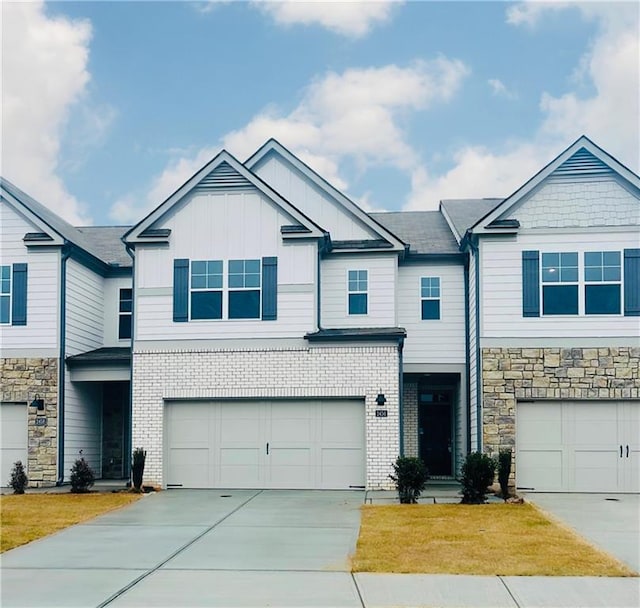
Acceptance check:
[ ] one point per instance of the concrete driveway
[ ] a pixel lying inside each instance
(609, 521)
(197, 548)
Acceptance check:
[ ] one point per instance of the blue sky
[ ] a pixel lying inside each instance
(110, 106)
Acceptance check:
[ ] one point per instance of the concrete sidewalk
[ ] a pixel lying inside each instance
(246, 548)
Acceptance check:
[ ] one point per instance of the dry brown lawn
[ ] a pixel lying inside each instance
(493, 539)
(26, 517)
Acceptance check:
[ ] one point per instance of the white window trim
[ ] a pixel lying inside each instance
(431, 298)
(365, 292)
(10, 294)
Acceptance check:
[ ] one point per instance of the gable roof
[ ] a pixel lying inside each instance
(581, 158)
(426, 232)
(100, 243)
(223, 171)
(273, 146)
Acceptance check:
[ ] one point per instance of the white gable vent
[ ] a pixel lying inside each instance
(582, 164)
(224, 176)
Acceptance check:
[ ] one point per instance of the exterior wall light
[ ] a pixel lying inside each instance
(381, 399)
(38, 403)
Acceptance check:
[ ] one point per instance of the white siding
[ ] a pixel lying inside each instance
(43, 280)
(243, 225)
(83, 425)
(473, 358)
(112, 287)
(502, 288)
(312, 201)
(382, 277)
(579, 203)
(85, 309)
(432, 341)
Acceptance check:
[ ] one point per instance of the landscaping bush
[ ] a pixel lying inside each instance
(410, 477)
(19, 479)
(82, 477)
(504, 471)
(478, 472)
(137, 468)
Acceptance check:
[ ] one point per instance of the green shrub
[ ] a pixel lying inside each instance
(478, 472)
(82, 477)
(410, 477)
(19, 479)
(137, 467)
(504, 471)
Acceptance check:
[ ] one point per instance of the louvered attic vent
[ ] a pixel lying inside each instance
(223, 176)
(582, 163)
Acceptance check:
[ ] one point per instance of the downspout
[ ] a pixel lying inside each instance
(400, 395)
(127, 459)
(61, 365)
(476, 249)
(467, 344)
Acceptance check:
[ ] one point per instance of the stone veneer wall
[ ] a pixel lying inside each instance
(22, 380)
(317, 372)
(410, 418)
(509, 374)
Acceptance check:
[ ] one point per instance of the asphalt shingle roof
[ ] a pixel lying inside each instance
(423, 231)
(105, 241)
(465, 212)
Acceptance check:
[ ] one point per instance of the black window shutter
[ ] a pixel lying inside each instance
(181, 290)
(530, 283)
(269, 289)
(19, 296)
(632, 282)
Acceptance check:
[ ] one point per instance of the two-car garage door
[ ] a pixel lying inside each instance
(265, 444)
(578, 446)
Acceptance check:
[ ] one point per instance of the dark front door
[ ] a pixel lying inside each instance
(435, 426)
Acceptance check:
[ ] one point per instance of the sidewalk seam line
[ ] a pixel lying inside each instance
(515, 601)
(355, 582)
(134, 582)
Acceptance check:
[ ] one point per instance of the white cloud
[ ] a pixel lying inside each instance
(499, 89)
(352, 19)
(610, 116)
(44, 74)
(356, 114)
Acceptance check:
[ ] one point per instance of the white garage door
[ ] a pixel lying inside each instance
(265, 444)
(13, 438)
(578, 446)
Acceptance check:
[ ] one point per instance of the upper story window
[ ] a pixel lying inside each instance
(124, 314)
(358, 292)
(5, 294)
(13, 294)
(206, 289)
(244, 289)
(430, 297)
(603, 281)
(589, 283)
(560, 283)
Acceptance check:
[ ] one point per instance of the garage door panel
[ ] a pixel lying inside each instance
(590, 435)
(13, 438)
(189, 467)
(540, 468)
(298, 434)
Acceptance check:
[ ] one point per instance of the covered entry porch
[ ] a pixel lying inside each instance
(435, 421)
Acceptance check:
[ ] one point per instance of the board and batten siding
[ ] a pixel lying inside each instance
(382, 279)
(438, 340)
(83, 425)
(312, 200)
(502, 287)
(473, 354)
(43, 283)
(226, 226)
(85, 309)
(112, 287)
